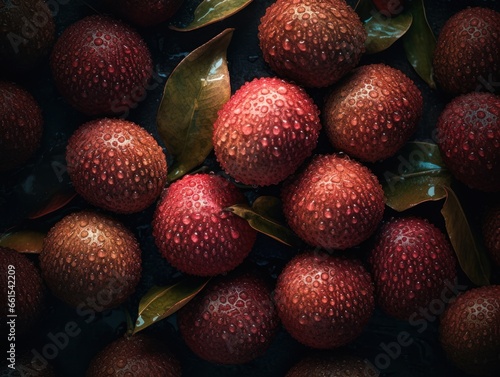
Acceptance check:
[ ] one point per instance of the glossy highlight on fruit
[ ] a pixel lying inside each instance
(313, 42)
(334, 203)
(116, 165)
(194, 232)
(265, 131)
(90, 260)
(467, 53)
(469, 331)
(324, 301)
(373, 112)
(138, 355)
(232, 321)
(468, 138)
(21, 125)
(412, 264)
(101, 66)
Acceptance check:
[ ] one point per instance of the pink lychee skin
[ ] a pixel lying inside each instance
(265, 131)
(412, 264)
(101, 66)
(232, 321)
(116, 165)
(195, 233)
(468, 136)
(324, 301)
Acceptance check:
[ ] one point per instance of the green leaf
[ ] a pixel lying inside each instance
(26, 241)
(265, 225)
(471, 256)
(416, 175)
(211, 11)
(270, 207)
(419, 43)
(193, 94)
(384, 31)
(160, 302)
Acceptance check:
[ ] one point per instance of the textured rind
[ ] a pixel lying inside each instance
(116, 165)
(324, 301)
(28, 288)
(491, 232)
(192, 230)
(469, 331)
(27, 32)
(313, 42)
(91, 260)
(101, 66)
(139, 356)
(467, 53)
(332, 365)
(232, 321)
(146, 12)
(468, 132)
(334, 203)
(21, 125)
(372, 112)
(265, 131)
(412, 264)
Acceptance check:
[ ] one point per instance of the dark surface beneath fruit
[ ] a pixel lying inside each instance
(70, 353)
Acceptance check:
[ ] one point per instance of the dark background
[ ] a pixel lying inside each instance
(29, 188)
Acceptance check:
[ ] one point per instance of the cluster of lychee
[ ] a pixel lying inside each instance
(266, 135)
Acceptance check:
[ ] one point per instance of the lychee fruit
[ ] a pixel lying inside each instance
(324, 301)
(467, 53)
(21, 125)
(138, 355)
(389, 8)
(413, 263)
(334, 203)
(312, 42)
(491, 232)
(468, 136)
(232, 321)
(265, 131)
(373, 112)
(194, 232)
(145, 12)
(101, 66)
(116, 165)
(22, 292)
(90, 260)
(469, 331)
(27, 32)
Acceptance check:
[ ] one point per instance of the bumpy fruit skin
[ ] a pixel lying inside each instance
(334, 203)
(324, 301)
(313, 42)
(491, 232)
(265, 131)
(139, 356)
(21, 125)
(332, 365)
(116, 165)
(146, 12)
(192, 230)
(412, 264)
(232, 321)
(469, 331)
(373, 112)
(91, 260)
(468, 138)
(27, 33)
(467, 54)
(25, 281)
(101, 66)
